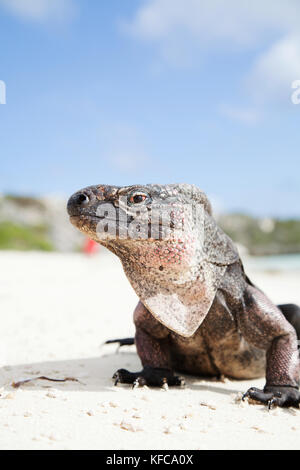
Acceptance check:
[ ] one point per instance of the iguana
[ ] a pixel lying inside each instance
(198, 311)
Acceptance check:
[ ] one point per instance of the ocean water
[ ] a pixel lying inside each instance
(274, 263)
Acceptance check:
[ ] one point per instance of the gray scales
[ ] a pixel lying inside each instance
(198, 311)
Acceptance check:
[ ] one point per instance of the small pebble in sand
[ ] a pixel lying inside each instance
(10, 396)
(90, 413)
(112, 404)
(51, 395)
(207, 405)
(237, 398)
(172, 430)
(182, 427)
(53, 437)
(256, 428)
(104, 404)
(127, 426)
(27, 414)
(136, 416)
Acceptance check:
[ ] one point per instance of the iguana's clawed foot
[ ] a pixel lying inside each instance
(148, 376)
(275, 396)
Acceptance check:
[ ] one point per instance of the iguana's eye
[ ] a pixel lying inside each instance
(137, 198)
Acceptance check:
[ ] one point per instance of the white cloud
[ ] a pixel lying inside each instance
(40, 10)
(275, 70)
(237, 22)
(189, 30)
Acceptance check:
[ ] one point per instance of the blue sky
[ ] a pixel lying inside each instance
(127, 91)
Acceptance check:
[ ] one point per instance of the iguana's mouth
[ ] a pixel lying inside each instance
(92, 225)
(93, 217)
(87, 216)
(85, 222)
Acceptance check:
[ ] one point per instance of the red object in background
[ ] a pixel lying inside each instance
(90, 247)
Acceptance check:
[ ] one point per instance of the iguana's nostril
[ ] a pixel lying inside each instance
(82, 199)
(77, 202)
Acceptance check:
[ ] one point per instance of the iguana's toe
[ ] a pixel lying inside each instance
(275, 396)
(154, 377)
(123, 376)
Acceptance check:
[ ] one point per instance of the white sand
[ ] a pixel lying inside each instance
(56, 310)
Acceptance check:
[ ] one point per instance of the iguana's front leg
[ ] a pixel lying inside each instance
(152, 343)
(263, 325)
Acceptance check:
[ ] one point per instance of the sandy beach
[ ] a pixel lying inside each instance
(56, 312)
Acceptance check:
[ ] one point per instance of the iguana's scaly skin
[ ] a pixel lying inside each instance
(242, 335)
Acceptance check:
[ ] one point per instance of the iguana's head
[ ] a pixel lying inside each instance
(171, 249)
(152, 224)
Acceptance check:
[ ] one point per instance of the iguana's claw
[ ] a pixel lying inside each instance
(148, 376)
(139, 382)
(275, 395)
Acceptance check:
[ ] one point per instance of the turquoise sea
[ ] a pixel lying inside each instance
(275, 263)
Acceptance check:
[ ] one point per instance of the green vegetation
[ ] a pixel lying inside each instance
(24, 201)
(14, 236)
(263, 237)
